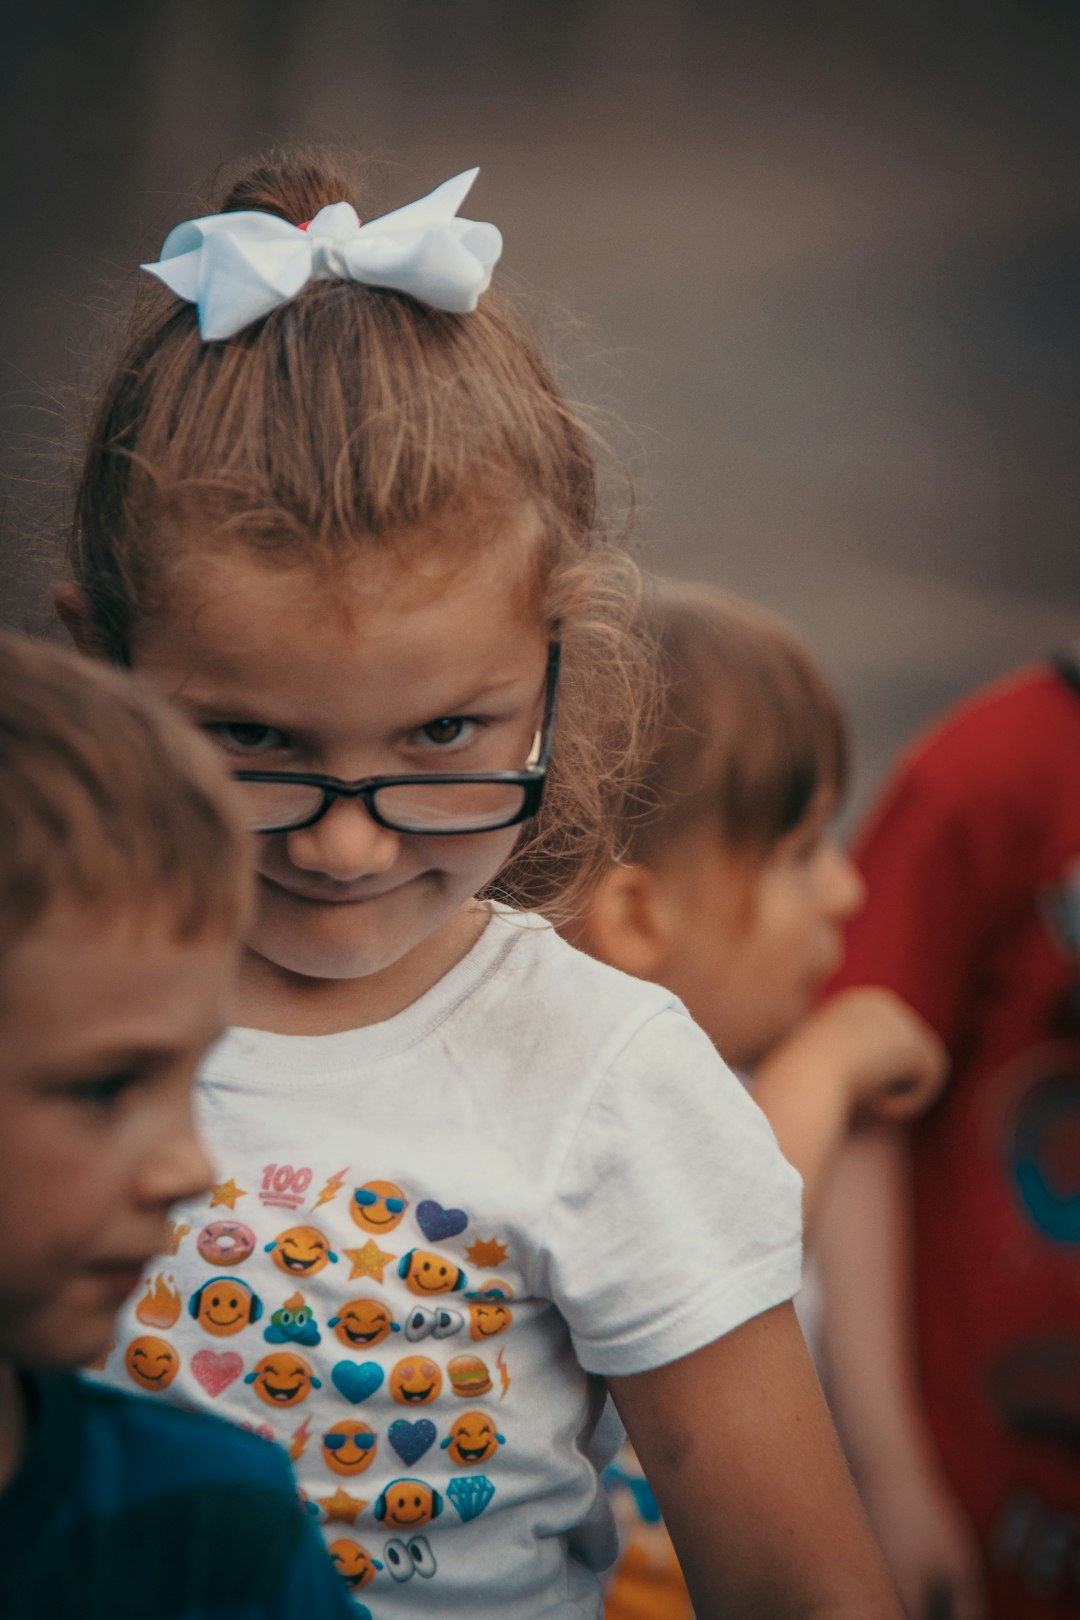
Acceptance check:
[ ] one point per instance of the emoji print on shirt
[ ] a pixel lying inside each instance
(293, 1323)
(378, 1206)
(427, 1274)
(349, 1447)
(473, 1439)
(283, 1379)
(364, 1322)
(224, 1305)
(301, 1251)
(151, 1362)
(406, 1504)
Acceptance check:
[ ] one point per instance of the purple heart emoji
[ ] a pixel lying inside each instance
(411, 1440)
(437, 1223)
(356, 1380)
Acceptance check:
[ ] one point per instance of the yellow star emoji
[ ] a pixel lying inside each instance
(226, 1192)
(368, 1261)
(341, 1508)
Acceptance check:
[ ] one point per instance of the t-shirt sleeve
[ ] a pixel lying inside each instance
(675, 1218)
(927, 889)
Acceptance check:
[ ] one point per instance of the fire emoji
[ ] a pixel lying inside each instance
(160, 1305)
(175, 1233)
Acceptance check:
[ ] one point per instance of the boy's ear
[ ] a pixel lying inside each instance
(630, 921)
(73, 611)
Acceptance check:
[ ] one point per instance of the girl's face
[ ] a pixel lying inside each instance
(755, 942)
(394, 666)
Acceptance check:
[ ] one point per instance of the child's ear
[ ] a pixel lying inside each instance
(73, 610)
(630, 921)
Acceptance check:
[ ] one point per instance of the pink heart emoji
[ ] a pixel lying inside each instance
(216, 1370)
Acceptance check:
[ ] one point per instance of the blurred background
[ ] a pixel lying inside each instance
(821, 260)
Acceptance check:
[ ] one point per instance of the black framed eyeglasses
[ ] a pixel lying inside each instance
(435, 804)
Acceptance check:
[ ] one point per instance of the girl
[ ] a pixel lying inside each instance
(468, 1180)
(734, 895)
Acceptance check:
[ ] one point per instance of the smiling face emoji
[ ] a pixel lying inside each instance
(225, 1306)
(408, 1503)
(378, 1206)
(354, 1563)
(301, 1251)
(151, 1362)
(488, 1317)
(283, 1379)
(363, 1322)
(473, 1439)
(415, 1381)
(349, 1447)
(426, 1274)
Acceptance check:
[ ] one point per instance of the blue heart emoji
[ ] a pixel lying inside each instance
(356, 1380)
(411, 1440)
(437, 1223)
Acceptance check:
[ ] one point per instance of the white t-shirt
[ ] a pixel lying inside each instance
(559, 1179)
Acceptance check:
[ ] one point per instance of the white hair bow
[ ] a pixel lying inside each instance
(238, 267)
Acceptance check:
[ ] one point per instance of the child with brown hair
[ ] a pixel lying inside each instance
(123, 891)
(336, 507)
(733, 895)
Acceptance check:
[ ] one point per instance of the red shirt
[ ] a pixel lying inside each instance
(972, 861)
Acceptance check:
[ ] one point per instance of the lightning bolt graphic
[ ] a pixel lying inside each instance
(503, 1374)
(332, 1188)
(300, 1440)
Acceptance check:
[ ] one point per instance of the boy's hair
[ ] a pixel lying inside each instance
(107, 797)
(345, 416)
(749, 733)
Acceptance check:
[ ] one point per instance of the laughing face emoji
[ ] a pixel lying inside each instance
(301, 1251)
(283, 1379)
(473, 1439)
(415, 1381)
(363, 1322)
(151, 1362)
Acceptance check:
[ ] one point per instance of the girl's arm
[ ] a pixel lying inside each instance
(865, 1051)
(736, 1442)
(869, 1352)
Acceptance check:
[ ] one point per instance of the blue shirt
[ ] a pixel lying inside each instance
(124, 1509)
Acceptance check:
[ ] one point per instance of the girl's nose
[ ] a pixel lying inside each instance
(845, 892)
(345, 844)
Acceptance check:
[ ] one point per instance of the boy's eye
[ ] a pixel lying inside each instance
(246, 736)
(103, 1091)
(451, 729)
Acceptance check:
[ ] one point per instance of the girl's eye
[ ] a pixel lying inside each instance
(453, 729)
(246, 736)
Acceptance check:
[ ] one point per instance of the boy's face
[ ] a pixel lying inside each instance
(756, 941)
(102, 1022)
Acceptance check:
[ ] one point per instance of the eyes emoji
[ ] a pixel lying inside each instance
(407, 1503)
(488, 1317)
(427, 1273)
(378, 1206)
(349, 1447)
(283, 1379)
(224, 1306)
(415, 1381)
(354, 1563)
(473, 1439)
(301, 1251)
(151, 1362)
(363, 1322)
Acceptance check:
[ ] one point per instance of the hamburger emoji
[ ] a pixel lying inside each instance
(468, 1376)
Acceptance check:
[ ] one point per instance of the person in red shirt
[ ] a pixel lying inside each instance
(960, 1401)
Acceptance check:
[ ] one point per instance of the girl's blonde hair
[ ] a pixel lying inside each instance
(344, 418)
(750, 730)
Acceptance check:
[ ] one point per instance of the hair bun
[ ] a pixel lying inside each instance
(291, 183)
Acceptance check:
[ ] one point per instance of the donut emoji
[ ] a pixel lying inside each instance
(225, 1243)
